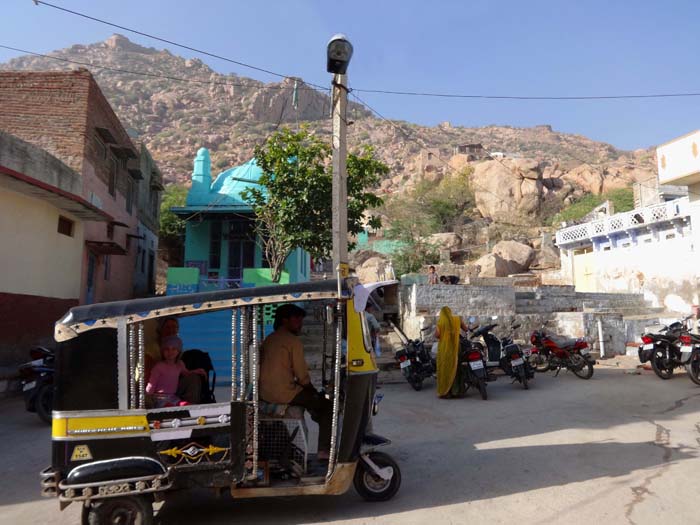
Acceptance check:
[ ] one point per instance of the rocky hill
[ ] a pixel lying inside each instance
(229, 114)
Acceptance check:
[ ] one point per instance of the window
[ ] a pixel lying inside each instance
(101, 149)
(215, 245)
(129, 196)
(108, 260)
(65, 226)
(112, 176)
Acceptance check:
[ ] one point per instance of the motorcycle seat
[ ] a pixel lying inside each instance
(563, 341)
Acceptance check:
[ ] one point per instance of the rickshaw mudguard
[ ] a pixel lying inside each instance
(115, 469)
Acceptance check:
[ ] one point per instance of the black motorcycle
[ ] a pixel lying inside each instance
(415, 360)
(505, 354)
(473, 363)
(663, 349)
(37, 382)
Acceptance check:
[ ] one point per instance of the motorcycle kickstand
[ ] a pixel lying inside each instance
(558, 370)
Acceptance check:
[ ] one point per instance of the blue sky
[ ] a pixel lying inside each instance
(562, 47)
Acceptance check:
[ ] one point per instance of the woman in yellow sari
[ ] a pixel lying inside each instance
(449, 373)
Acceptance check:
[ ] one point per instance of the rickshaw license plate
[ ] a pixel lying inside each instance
(686, 349)
(404, 364)
(476, 365)
(650, 346)
(517, 362)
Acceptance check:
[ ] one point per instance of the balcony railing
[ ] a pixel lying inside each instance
(208, 285)
(638, 218)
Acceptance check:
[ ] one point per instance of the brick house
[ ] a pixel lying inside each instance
(42, 224)
(67, 115)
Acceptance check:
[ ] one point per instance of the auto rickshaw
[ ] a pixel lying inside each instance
(116, 456)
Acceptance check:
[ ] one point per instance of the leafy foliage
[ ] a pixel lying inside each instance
(622, 200)
(171, 226)
(293, 202)
(427, 209)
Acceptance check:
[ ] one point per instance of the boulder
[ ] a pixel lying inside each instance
(373, 269)
(586, 178)
(509, 190)
(520, 256)
(359, 257)
(492, 265)
(446, 241)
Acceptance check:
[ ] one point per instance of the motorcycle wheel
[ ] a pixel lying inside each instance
(581, 367)
(372, 487)
(693, 368)
(44, 403)
(482, 389)
(659, 368)
(539, 362)
(417, 384)
(523, 378)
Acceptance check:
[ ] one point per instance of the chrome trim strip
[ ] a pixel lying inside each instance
(336, 391)
(83, 437)
(67, 331)
(122, 367)
(256, 407)
(141, 367)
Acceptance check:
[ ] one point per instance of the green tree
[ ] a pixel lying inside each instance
(292, 203)
(621, 198)
(171, 226)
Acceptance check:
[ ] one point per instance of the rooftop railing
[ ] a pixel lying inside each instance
(629, 220)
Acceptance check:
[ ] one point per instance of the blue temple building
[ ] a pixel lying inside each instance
(220, 239)
(222, 251)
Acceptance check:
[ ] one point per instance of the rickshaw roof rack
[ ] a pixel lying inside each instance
(106, 315)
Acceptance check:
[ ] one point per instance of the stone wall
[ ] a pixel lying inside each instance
(563, 310)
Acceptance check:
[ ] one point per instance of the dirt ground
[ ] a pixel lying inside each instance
(619, 448)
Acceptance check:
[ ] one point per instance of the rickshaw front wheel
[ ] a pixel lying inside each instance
(371, 486)
(128, 510)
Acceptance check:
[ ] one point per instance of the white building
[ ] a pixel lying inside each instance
(652, 249)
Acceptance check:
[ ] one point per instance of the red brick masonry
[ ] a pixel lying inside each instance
(25, 319)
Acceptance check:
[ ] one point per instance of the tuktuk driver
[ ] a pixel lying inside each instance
(284, 374)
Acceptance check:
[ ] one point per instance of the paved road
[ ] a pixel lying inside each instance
(619, 448)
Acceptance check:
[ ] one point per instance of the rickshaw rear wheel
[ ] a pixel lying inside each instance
(128, 510)
(370, 486)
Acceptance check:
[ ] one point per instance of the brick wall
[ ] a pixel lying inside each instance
(48, 110)
(60, 112)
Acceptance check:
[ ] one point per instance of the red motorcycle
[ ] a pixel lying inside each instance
(556, 352)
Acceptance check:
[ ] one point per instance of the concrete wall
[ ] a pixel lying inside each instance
(145, 248)
(665, 271)
(35, 258)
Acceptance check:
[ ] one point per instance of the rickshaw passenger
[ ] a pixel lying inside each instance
(284, 374)
(170, 383)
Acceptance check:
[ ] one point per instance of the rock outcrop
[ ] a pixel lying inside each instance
(492, 265)
(519, 256)
(232, 114)
(508, 190)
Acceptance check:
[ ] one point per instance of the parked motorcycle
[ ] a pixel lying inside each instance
(556, 352)
(37, 382)
(690, 343)
(505, 354)
(415, 360)
(473, 363)
(663, 349)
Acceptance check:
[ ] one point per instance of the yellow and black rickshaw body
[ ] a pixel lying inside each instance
(107, 443)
